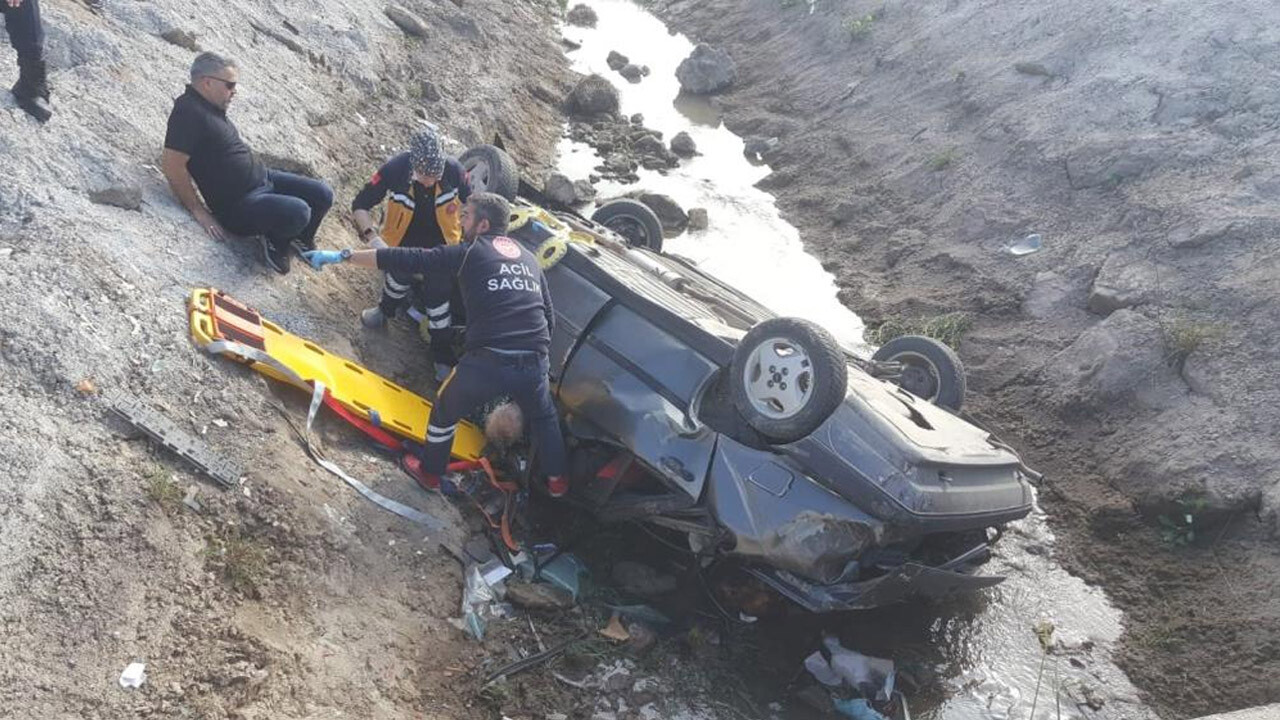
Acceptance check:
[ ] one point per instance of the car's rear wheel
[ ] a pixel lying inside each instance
(930, 369)
(632, 220)
(491, 169)
(788, 376)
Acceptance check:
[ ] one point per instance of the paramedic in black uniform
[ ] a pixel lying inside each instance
(509, 320)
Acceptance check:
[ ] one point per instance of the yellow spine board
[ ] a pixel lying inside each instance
(359, 390)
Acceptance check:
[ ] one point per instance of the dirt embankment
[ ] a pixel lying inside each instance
(1133, 358)
(289, 596)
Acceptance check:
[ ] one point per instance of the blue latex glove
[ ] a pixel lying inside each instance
(320, 258)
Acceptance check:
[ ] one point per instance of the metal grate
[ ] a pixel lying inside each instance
(162, 430)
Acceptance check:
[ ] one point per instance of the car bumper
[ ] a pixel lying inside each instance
(908, 581)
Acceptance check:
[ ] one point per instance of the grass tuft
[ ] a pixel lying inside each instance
(947, 328)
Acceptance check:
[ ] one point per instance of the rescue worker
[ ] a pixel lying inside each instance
(26, 35)
(203, 146)
(509, 321)
(427, 191)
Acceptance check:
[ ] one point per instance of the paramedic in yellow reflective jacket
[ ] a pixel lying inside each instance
(424, 192)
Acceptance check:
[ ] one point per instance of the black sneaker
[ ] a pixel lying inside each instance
(275, 258)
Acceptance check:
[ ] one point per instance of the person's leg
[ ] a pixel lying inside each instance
(26, 35)
(468, 387)
(533, 395)
(277, 218)
(315, 193)
(395, 290)
(26, 32)
(438, 306)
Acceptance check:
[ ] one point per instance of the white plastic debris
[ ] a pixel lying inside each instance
(1027, 245)
(871, 676)
(134, 675)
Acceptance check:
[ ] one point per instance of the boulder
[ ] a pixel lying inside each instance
(683, 145)
(430, 92)
(593, 95)
(581, 15)
(649, 144)
(559, 188)
(181, 38)
(617, 60)
(126, 195)
(408, 22)
(584, 190)
(706, 70)
(673, 217)
(758, 144)
(698, 219)
(631, 72)
(1125, 280)
(1120, 359)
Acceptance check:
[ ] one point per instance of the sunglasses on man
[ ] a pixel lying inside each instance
(230, 84)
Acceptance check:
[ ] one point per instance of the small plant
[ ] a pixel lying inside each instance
(944, 159)
(859, 27)
(163, 491)
(948, 328)
(1183, 336)
(1179, 529)
(239, 560)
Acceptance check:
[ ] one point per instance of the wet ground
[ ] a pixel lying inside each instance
(979, 658)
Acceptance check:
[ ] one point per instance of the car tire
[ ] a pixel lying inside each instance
(931, 370)
(491, 169)
(633, 220)
(788, 376)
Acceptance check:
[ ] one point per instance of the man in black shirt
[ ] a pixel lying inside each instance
(26, 35)
(509, 321)
(202, 144)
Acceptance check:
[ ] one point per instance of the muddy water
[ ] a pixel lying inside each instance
(976, 658)
(746, 232)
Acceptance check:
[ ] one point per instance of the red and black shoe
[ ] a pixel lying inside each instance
(412, 465)
(557, 486)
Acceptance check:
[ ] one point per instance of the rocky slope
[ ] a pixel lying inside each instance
(1133, 357)
(289, 596)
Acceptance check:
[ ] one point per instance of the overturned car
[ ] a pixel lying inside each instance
(842, 482)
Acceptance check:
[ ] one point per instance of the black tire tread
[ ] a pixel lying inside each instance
(504, 176)
(634, 208)
(952, 385)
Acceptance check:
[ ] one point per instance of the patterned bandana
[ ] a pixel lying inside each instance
(425, 155)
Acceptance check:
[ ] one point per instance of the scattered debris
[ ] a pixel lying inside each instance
(86, 387)
(163, 431)
(134, 675)
(614, 630)
(698, 219)
(478, 599)
(190, 499)
(859, 686)
(1026, 246)
(538, 596)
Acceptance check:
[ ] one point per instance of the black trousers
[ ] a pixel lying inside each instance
(481, 376)
(26, 33)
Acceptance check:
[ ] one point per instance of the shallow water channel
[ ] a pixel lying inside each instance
(979, 658)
